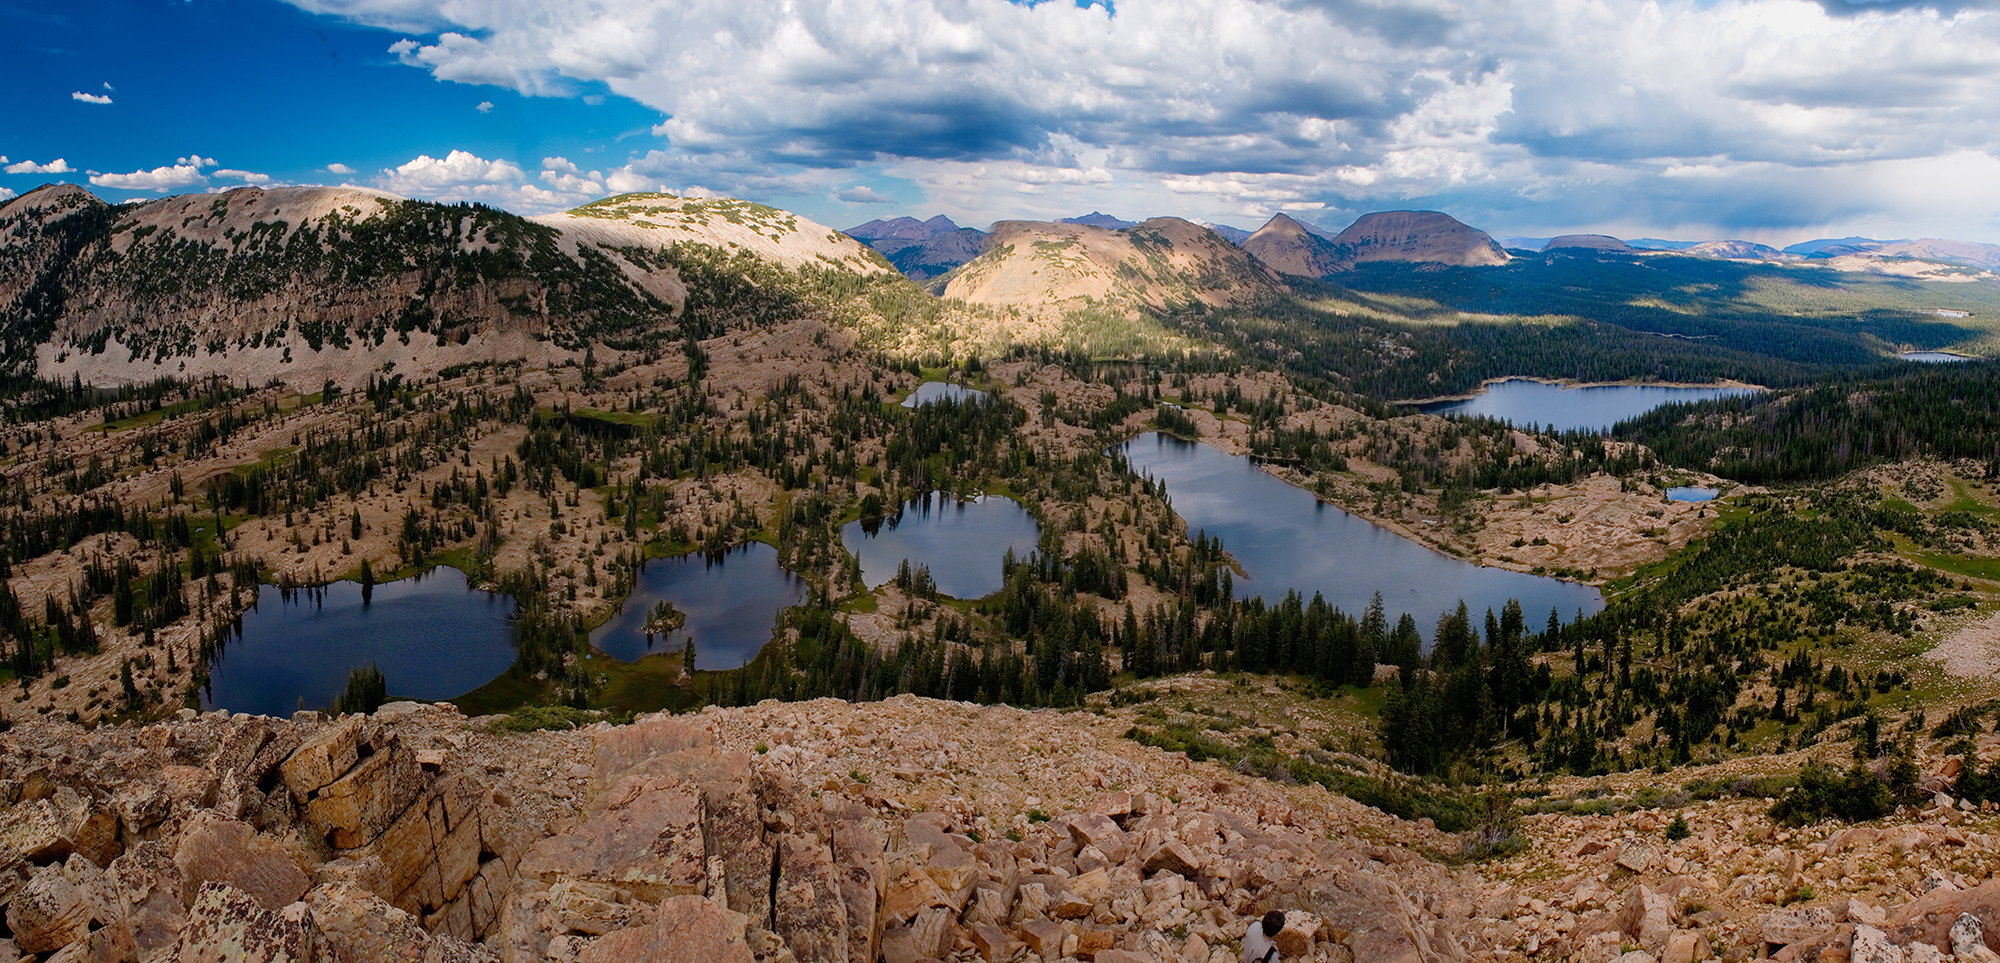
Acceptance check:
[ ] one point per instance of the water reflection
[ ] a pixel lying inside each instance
(931, 391)
(1559, 408)
(433, 637)
(731, 600)
(963, 542)
(1285, 538)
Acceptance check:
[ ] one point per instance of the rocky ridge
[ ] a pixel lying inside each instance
(305, 284)
(841, 833)
(902, 831)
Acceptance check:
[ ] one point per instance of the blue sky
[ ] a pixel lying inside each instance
(263, 88)
(1772, 120)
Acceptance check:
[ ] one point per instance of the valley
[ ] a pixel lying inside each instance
(711, 492)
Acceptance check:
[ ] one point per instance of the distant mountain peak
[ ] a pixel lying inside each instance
(1817, 245)
(1586, 242)
(1424, 236)
(1287, 247)
(902, 228)
(1100, 219)
(1234, 235)
(1739, 251)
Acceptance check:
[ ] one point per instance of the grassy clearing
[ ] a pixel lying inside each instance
(648, 685)
(511, 690)
(146, 419)
(1963, 566)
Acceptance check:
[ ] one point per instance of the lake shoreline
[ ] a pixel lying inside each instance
(1566, 384)
(1281, 557)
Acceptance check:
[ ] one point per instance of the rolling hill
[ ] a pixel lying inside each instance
(1050, 270)
(308, 283)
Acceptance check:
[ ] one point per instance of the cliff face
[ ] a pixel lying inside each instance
(310, 283)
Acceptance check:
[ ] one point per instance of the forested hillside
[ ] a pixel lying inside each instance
(1947, 411)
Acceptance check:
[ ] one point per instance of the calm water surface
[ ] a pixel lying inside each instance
(963, 542)
(1567, 409)
(1932, 357)
(1691, 493)
(931, 391)
(433, 637)
(1287, 539)
(731, 601)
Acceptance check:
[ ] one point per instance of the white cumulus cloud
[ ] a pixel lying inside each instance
(248, 177)
(57, 166)
(339, 169)
(464, 176)
(161, 179)
(484, 107)
(1565, 111)
(457, 171)
(862, 194)
(89, 98)
(6, 193)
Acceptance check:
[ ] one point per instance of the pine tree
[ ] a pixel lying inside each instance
(366, 690)
(1369, 642)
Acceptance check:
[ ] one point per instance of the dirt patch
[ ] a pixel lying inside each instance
(1972, 652)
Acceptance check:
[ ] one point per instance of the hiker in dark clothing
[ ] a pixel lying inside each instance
(1260, 940)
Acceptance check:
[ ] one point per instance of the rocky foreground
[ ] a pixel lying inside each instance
(901, 831)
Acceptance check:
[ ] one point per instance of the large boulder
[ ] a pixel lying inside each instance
(809, 911)
(227, 925)
(49, 913)
(1929, 918)
(218, 850)
(686, 929)
(322, 758)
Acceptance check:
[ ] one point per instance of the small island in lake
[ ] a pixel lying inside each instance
(663, 618)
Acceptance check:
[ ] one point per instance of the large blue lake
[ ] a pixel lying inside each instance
(963, 542)
(731, 600)
(1559, 408)
(1285, 538)
(432, 636)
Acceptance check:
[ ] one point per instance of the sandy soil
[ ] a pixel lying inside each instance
(1972, 652)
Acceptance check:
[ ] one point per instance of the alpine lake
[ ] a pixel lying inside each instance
(1565, 408)
(434, 637)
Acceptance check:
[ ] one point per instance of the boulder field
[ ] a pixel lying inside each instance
(904, 831)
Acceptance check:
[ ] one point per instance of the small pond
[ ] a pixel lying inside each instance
(1692, 493)
(931, 391)
(1560, 408)
(433, 637)
(963, 542)
(731, 600)
(1933, 357)
(1285, 538)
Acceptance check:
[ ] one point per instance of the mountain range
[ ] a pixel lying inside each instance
(922, 249)
(926, 250)
(929, 249)
(259, 284)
